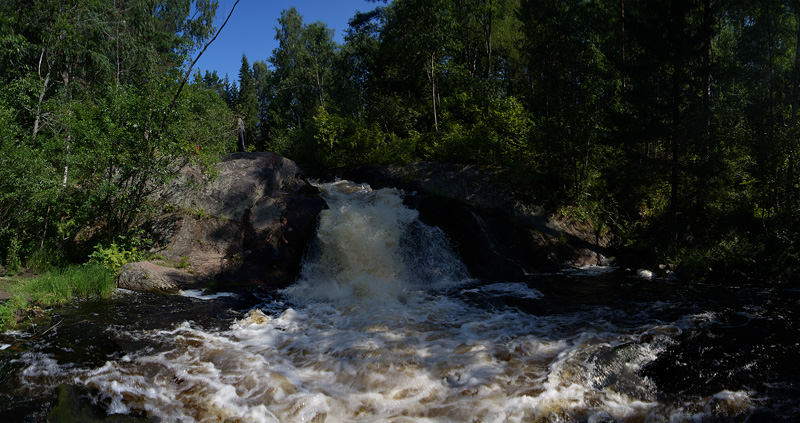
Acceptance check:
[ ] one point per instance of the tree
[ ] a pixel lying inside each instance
(302, 66)
(94, 84)
(665, 68)
(262, 76)
(357, 65)
(247, 102)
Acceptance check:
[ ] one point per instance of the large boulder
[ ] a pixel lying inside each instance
(213, 230)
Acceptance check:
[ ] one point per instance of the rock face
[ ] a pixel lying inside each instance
(498, 236)
(214, 232)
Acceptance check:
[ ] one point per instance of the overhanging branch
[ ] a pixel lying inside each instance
(189, 71)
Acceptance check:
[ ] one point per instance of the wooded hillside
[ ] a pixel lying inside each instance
(672, 124)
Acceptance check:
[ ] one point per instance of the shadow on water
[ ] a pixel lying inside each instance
(675, 343)
(712, 340)
(87, 334)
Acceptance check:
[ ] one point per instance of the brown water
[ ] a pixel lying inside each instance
(384, 325)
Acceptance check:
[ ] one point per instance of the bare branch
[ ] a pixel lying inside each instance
(189, 71)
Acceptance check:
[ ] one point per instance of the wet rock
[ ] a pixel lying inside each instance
(645, 274)
(498, 235)
(72, 404)
(213, 231)
(147, 276)
(492, 248)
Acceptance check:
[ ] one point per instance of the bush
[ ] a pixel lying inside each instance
(13, 261)
(114, 257)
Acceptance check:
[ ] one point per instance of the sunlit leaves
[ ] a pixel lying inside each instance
(85, 116)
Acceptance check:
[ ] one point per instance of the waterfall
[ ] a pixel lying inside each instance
(369, 246)
(384, 325)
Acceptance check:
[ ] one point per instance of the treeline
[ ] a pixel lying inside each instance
(91, 120)
(672, 124)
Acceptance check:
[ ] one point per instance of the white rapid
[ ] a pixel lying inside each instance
(385, 326)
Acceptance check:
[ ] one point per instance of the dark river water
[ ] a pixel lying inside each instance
(385, 325)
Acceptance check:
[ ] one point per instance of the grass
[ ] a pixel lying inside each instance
(56, 288)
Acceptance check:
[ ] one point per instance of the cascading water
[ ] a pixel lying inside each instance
(384, 325)
(371, 248)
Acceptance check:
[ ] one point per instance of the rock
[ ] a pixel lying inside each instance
(147, 276)
(600, 417)
(497, 235)
(645, 274)
(73, 404)
(492, 248)
(246, 180)
(215, 230)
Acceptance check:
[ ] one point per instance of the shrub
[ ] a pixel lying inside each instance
(114, 256)
(13, 261)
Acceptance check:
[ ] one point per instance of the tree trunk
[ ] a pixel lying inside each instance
(432, 77)
(66, 163)
(678, 64)
(706, 78)
(320, 86)
(42, 92)
(487, 36)
(622, 39)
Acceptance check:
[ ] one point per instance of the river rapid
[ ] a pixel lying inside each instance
(384, 324)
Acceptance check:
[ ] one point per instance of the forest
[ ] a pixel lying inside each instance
(670, 126)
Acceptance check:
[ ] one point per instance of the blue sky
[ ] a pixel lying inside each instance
(251, 29)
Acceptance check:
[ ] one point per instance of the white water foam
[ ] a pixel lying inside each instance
(369, 334)
(202, 295)
(515, 289)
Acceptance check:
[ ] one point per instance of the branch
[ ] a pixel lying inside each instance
(189, 71)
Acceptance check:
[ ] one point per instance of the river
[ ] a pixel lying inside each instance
(384, 324)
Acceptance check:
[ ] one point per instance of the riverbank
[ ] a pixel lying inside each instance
(23, 298)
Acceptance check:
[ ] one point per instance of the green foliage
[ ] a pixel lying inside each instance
(659, 121)
(333, 140)
(13, 261)
(26, 193)
(734, 253)
(92, 280)
(6, 316)
(114, 256)
(45, 259)
(88, 120)
(302, 65)
(787, 261)
(183, 263)
(500, 138)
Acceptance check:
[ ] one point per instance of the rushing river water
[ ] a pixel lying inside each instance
(385, 325)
